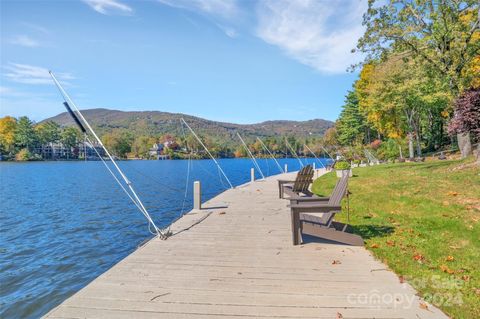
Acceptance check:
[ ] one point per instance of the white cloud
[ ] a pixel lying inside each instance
(229, 31)
(5, 90)
(320, 34)
(223, 12)
(35, 27)
(224, 8)
(25, 40)
(29, 74)
(109, 6)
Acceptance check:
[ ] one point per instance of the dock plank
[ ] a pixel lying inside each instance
(235, 259)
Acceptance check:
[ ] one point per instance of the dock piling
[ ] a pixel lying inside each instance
(197, 195)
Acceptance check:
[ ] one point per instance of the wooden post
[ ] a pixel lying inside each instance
(252, 174)
(197, 195)
(286, 168)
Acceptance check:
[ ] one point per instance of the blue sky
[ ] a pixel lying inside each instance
(235, 61)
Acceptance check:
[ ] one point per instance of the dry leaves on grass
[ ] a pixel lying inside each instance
(374, 245)
(419, 257)
(447, 270)
(450, 258)
(452, 193)
(391, 243)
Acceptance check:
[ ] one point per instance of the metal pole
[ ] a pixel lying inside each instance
(208, 152)
(276, 162)
(126, 180)
(251, 155)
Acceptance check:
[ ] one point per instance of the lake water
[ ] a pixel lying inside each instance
(64, 223)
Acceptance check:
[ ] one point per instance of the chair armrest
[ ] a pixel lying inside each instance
(303, 199)
(313, 208)
(284, 181)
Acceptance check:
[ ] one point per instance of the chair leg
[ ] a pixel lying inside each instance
(296, 231)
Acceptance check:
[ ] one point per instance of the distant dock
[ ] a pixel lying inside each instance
(235, 259)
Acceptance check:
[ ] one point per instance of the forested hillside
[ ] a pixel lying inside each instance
(154, 123)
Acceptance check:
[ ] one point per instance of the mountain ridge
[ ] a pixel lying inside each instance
(154, 123)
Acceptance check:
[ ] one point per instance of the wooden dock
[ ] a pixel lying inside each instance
(235, 258)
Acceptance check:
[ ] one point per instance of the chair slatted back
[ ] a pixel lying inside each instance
(339, 191)
(303, 180)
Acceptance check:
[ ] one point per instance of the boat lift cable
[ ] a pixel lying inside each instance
(189, 167)
(208, 152)
(293, 152)
(198, 164)
(323, 148)
(132, 192)
(251, 155)
(308, 148)
(90, 144)
(273, 157)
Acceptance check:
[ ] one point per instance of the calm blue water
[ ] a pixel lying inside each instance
(64, 223)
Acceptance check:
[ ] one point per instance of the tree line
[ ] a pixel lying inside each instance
(23, 139)
(419, 83)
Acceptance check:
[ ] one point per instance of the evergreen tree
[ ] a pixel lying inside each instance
(351, 123)
(48, 132)
(25, 136)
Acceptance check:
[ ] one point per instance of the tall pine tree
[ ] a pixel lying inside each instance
(351, 125)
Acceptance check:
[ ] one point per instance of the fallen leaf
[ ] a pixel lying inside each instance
(221, 213)
(423, 306)
(445, 268)
(336, 262)
(401, 279)
(450, 258)
(374, 246)
(452, 193)
(418, 257)
(465, 278)
(391, 243)
(339, 315)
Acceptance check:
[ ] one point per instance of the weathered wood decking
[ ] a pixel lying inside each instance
(238, 261)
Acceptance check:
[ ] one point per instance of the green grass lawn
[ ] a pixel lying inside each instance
(422, 220)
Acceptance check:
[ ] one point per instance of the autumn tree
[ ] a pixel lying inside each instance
(8, 126)
(118, 142)
(467, 114)
(403, 97)
(141, 145)
(443, 35)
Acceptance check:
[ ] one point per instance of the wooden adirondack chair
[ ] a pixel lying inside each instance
(315, 217)
(299, 186)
